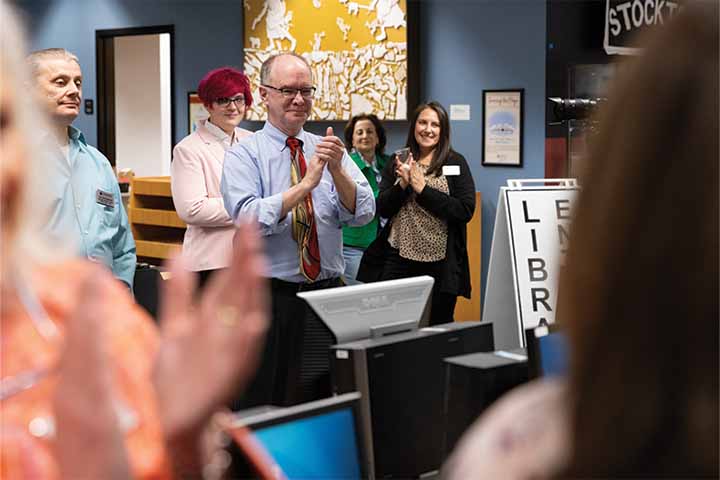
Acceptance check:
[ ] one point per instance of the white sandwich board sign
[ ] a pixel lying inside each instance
(532, 230)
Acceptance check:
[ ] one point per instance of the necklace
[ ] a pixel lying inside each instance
(44, 426)
(10, 386)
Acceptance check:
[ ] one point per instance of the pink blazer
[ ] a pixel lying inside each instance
(195, 180)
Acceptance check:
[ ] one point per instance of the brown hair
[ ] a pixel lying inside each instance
(443, 149)
(639, 296)
(379, 130)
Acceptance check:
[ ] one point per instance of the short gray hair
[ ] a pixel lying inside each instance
(29, 242)
(35, 59)
(266, 68)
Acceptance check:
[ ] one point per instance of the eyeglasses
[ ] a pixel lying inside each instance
(239, 101)
(287, 92)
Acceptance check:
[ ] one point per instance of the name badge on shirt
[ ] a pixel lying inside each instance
(451, 170)
(105, 198)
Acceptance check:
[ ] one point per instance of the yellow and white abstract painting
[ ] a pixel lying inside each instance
(357, 51)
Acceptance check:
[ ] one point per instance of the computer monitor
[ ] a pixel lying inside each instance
(320, 439)
(547, 351)
(371, 310)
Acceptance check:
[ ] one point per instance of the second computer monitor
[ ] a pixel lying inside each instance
(547, 351)
(316, 440)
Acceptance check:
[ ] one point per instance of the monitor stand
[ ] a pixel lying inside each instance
(392, 328)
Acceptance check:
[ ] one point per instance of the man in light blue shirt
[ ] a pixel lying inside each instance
(257, 182)
(87, 206)
(255, 178)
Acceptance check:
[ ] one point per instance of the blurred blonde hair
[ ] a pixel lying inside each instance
(28, 244)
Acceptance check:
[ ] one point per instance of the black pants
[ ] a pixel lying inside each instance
(295, 365)
(442, 304)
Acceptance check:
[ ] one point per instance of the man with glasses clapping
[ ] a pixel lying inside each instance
(302, 188)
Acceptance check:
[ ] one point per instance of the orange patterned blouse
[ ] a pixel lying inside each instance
(26, 426)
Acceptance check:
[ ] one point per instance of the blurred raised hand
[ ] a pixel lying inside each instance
(210, 347)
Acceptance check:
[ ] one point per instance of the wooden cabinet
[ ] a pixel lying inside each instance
(469, 309)
(157, 229)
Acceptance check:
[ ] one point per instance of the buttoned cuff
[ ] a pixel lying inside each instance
(364, 208)
(269, 216)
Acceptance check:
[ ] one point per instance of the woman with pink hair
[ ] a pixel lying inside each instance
(197, 169)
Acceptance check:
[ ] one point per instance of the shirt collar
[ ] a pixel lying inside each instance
(216, 131)
(278, 138)
(76, 135)
(362, 163)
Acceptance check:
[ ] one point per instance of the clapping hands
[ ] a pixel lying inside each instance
(417, 177)
(331, 150)
(410, 173)
(402, 170)
(208, 351)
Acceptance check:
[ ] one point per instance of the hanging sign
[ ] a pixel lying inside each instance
(624, 19)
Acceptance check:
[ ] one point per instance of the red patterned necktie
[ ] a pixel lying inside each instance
(304, 230)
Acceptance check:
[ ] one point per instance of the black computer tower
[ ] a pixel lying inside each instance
(402, 380)
(474, 382)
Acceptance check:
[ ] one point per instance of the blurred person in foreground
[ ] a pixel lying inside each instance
(197, 167)
(87, 206)
(365, 138)
(89, 387)
(639, 294)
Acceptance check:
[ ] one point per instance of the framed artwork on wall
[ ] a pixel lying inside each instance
(358, 53)
(196, 111)
(503, 128)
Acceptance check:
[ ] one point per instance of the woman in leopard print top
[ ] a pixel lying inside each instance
(429, 201)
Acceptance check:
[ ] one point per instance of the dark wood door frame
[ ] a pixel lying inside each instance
(105, 82)
(414, 83)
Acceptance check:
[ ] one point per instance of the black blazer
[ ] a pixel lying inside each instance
(456, 209)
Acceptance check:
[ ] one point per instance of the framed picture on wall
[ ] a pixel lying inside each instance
(503, 128)
(196, 111)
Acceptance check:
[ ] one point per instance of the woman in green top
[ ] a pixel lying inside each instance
(365, 137)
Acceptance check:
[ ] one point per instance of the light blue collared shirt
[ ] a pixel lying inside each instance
(83, 190)
(256, 172)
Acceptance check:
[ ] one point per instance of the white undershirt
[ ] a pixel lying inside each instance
(65, 149)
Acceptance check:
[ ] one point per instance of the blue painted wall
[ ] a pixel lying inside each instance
(208, 34)
(466, 46)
